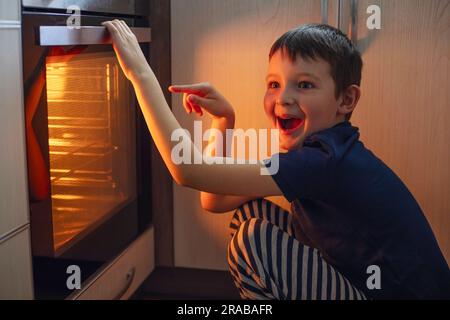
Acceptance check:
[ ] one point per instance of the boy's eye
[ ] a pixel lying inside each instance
(273, 84)
(305, 85)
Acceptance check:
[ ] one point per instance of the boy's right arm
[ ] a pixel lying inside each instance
(203, 96)
(240, 179)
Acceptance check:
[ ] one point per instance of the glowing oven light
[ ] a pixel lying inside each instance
(83, 102)
(67, 197)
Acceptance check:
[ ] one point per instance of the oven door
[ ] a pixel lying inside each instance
(84, 132)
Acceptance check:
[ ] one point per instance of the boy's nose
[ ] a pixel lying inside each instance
(285, 98)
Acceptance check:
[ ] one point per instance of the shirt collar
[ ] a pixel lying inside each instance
(341, 131)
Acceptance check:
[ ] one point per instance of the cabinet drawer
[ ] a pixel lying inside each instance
(125, 274)
(9, 10)
(15, 266)
(13, 184)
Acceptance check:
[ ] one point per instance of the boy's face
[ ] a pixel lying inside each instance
(300, 98)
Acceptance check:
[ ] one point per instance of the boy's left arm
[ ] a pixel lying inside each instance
(231, 179)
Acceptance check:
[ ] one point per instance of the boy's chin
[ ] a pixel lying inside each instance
(291, 144)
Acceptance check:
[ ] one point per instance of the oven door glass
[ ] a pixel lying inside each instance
(82, 153)
(91, 140)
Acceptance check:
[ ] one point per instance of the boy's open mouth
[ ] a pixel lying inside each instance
(289, 125)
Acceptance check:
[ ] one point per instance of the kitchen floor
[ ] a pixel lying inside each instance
(187, 284)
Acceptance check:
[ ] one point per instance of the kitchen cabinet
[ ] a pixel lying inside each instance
(15, 266)
(9, 11)
(13, 184)
(226, 43)
(15, 253)
(403, 113)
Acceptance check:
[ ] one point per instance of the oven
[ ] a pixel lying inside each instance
(88, 148)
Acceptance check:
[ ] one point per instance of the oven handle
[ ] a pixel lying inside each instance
(64, 36)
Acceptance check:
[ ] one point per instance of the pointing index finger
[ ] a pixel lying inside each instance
(198, 89)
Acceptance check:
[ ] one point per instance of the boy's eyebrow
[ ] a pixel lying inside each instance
(297, 74)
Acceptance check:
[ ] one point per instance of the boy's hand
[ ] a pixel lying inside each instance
(128, 51)
(203, 96)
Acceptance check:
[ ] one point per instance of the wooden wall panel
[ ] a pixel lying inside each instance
(404, 110)
(226, 43)
(403, 113)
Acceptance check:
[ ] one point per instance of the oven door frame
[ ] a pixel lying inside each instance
(110, 237)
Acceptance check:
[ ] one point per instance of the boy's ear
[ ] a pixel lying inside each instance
(349, 99)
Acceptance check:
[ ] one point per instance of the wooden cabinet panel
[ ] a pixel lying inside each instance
(404, 110)
(9, 10)
(13, 184)
(403, 113)
(15, 250)
(15, 267)
(226, 43)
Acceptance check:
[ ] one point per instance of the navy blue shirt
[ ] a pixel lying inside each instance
(354, 209)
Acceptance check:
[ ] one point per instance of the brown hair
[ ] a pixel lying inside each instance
(312, 41)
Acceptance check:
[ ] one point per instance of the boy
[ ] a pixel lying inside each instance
(349, 212)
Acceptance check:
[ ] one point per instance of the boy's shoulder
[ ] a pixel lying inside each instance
(339, 153)
(329, 160)
(334, 142)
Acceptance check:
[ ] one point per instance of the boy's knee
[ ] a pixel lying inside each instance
(244, 211)
(237, 247)
(248, 232)
(242, 251)
(240, 212)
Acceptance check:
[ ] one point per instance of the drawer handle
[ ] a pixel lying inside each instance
(130, 278)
